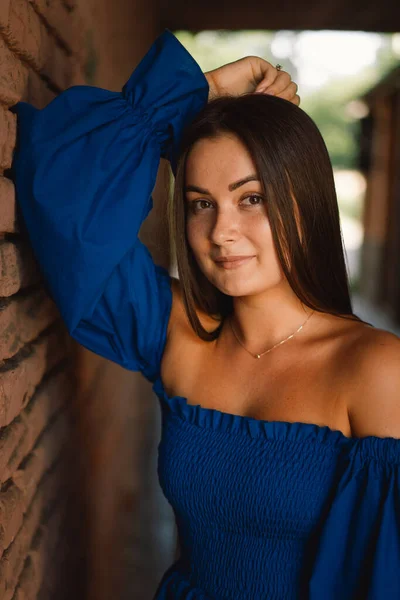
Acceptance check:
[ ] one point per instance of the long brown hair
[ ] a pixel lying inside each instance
(296, 175)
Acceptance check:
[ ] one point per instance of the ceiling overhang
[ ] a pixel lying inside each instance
(363, 15)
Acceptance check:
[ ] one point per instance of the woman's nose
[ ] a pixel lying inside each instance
(225, 227)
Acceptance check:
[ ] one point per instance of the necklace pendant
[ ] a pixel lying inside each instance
(258, 355)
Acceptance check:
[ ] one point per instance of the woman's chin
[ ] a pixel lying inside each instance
(233, 290)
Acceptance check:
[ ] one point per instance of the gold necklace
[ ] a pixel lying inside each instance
(278, 344)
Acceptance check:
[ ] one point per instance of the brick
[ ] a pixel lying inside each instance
(12, 561)
(18, 267)
(23, 34)
(11, 515)
(37, 91)
(31, 577)
(17, 497)
(52, 394)
(8, 213)
(10, 439)
(8, 135)
(49, 547)
(47, 550)
(13, 74)
(42, 457)
(18, 439)
(29, 40)
(4, 14)
(68, 27)
(22, 319)
(20, 376)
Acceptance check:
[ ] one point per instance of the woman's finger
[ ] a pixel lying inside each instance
(288, 93)
(277, 80)
(264, 73)
(281, 82)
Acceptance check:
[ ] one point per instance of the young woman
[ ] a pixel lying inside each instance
(280, 444)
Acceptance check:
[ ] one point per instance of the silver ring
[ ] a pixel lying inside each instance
(278, 67)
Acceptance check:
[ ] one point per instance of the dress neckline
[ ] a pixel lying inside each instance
(308, 435)
(211, 418)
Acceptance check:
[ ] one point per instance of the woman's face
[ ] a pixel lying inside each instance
(227, 217)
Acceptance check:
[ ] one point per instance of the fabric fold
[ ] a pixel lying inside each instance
(358, 554)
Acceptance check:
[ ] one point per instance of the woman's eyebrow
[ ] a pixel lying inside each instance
(231, 187)
(234, 186)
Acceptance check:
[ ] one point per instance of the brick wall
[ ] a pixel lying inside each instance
(58, 400)
(41, 53)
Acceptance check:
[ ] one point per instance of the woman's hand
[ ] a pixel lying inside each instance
(249, 75)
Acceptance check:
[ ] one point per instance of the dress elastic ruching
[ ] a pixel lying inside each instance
(270, 509)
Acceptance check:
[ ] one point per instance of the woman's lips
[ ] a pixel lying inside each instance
(233, 263)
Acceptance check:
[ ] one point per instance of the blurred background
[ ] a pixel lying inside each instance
(81, 511)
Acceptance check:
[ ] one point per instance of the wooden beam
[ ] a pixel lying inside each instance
(368, 15)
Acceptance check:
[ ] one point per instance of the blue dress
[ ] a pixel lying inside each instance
(265, 509)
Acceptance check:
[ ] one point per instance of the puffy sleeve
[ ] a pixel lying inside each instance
(84, 169)
(358, 555)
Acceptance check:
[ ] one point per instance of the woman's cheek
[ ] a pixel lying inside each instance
(195, 234)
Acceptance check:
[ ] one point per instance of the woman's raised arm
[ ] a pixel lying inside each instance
(84, 169)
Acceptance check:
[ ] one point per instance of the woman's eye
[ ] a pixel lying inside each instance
(254, 200)
(198, 205)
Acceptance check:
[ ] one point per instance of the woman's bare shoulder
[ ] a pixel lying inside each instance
(374, 345)
(374, 393)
